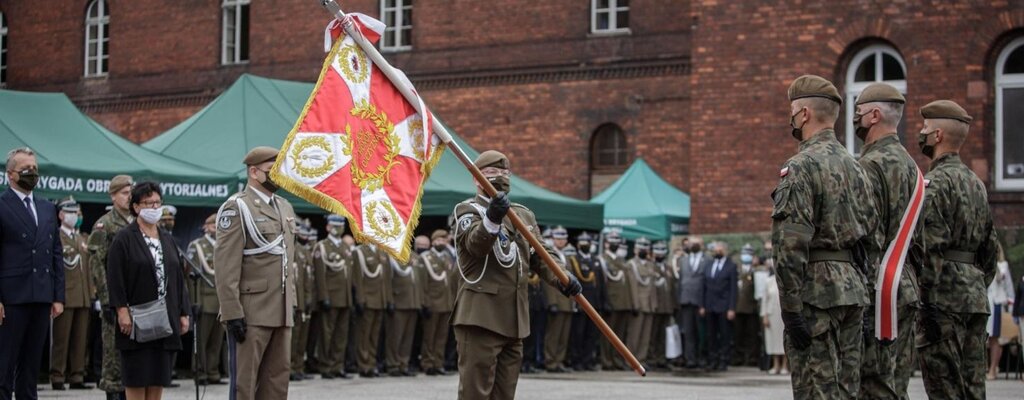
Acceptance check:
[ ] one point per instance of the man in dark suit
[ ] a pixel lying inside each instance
(31, 276)
(719, 307)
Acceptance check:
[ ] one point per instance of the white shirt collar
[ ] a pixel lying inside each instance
(263, 196)
(22, 196)
(67, 231)
(336, 241)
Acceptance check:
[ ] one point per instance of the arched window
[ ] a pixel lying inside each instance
(1009, 120)
(97, 36)
(609, 156)
(3, 50)
(876, 63)
(234, 48)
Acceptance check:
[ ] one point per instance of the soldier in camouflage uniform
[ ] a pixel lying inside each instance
(103, 232)
(893, 175)
(822, 213)
(958, 253)
(203, 288)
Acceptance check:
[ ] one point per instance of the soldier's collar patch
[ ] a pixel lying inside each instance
(783, 172)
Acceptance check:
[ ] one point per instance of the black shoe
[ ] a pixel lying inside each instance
(368, 374)
(396, 373)
(592, 367)
(79, 386)
(172, 385)
(214, 381)
(342, 375)
(432, 372)
(327, 375)
(295, 377)
(691, 365)
(58, 386)
(408, 373)
(723, 367)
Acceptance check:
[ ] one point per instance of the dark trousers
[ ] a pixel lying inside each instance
(748, 339)
(688, 320)
(719, 339)
(583, 341)
(23, 337)
(533, 345)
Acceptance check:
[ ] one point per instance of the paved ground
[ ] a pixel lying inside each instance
(738, 383)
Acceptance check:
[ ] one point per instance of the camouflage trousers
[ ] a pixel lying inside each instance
(954, 366)
(877, 379)
(903, 350)
(830, 367)
(110, 377)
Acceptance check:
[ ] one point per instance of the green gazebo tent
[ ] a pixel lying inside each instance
(258, 111)
(77, 156)
(641, 203)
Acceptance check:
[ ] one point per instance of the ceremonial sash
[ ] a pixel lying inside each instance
(891, 268)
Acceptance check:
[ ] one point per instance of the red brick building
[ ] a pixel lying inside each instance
(573, 91)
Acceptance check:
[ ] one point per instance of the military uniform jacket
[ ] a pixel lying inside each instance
(956, 218)
(305, 293)
(554, 296)
(103, 232)
(665, 288)
(255, 246)
(495, 267)
(822, 202)
(535, 292)
(617, 291)
(642, 277)
(893, 175)
(78, 286)
(405, 283)
(373, 281)
(745, 303)
(437, 282)
(334, 267)
(200, 252)
(588, 272)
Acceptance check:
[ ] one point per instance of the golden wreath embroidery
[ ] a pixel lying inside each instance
(383, 220)
(416, 131)
(353, 64)
(320, 152)
(367, 141)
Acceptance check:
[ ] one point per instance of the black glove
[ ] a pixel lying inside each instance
(236, 328)
(930, 322)
(796, 328)
(425, 312)
(359, 308)
(573, 288)
(325, 303)
(390, 308)
(498, 208)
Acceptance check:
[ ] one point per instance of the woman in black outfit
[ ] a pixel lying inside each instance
(143, 264)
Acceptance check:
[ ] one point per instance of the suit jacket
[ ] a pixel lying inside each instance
(256, 287)
(720, 289)
(690, 288)
(31, 254)
(131, 280)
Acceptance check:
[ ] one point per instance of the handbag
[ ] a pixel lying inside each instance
(150, 322)
(673, 341)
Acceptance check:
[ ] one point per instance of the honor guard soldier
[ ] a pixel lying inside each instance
(305, 298)
(373, 298)
(437, 303)
(102, 235)
(618, 297)
(255, 246)
(491, 314)
(748, 322)
(71, 328)
(332, 260)
(204, 296)
(822, 221)
(407, 296)
(641, 276)
(664, 306)
(584, 335)
(959, 260)
(560, 309)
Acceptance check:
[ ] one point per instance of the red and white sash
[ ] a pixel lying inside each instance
(891, 269)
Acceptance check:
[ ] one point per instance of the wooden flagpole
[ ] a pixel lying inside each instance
(399, 80)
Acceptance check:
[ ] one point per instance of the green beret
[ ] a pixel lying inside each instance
(260, 155)
(813, 86)
(120, 182)
(438, 234)
(491, 158)
(945, 109)
(880, 92)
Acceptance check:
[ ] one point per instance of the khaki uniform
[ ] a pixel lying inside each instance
(373, 296)
(211, 332)
(407, 293)
(438, 299)
(560, 310)
(748, 321)
(103, 232)
(305, 296)
(491, 314)
(333, 264)
(254, 283)
(641, 276)
(620, 306)
(665, 289)
(70, 329)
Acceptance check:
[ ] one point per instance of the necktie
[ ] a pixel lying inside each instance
(31, 212)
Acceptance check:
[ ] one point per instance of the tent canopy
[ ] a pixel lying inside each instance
(78, 156)
(258, 111)
(641, 203)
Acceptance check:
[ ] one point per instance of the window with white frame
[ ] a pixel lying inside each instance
(609, 16)
(235, 32)
(398, 18)
(1009, 119)
(876, 63)
(97, 37)
(3, 50)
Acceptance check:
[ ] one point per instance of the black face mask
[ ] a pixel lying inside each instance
(422, 250)
(440, 247)
(28, 179)
(719, 256)
(613, 247)
(798, 133)
(860, 131)
(501, 183)
(695, 248)
(922, 141)
(584, 248)
(641, 253)
(659, 258)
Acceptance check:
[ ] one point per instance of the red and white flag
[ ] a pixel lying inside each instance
(889, 272)
(359, 148)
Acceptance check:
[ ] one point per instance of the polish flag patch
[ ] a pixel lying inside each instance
(783, 172)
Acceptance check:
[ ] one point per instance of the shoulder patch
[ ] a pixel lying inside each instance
(224, 222)
(783, 172)
(99, 225)
(228, 213)
(465, 221)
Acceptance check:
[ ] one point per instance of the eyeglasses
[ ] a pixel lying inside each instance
(151, 203)
(493, 171)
